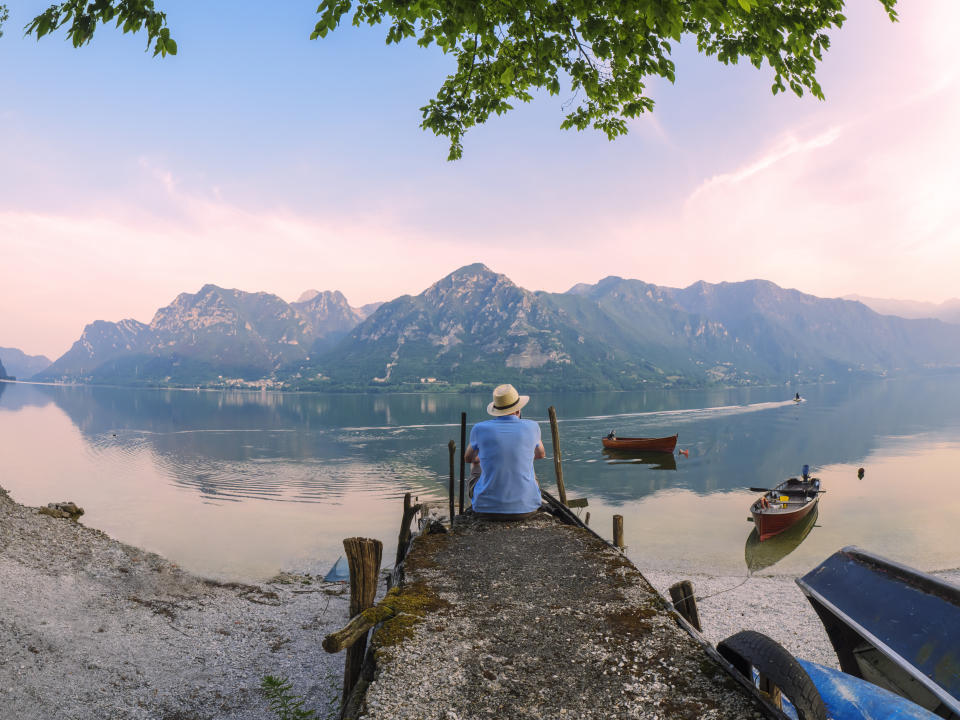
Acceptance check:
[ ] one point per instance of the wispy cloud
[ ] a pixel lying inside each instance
(785, 148)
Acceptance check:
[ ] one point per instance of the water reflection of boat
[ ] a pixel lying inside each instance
(638, 444)
(659, 460)
(760, 555)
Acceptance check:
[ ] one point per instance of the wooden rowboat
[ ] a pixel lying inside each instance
(785, 505)
(663, 444)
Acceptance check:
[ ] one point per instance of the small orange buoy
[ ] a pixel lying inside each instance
(685, 453)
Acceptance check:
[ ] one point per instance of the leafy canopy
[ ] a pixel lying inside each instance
(600, 52)
(82, 17)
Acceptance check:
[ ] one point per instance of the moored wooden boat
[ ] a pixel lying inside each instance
(662, 444)
(785, 505)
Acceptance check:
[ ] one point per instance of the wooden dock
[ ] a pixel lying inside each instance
(535, 619)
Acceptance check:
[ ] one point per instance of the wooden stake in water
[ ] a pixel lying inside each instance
(363, 556)
(453, 451)
(555, 433)
(618, 531)
(463, 450)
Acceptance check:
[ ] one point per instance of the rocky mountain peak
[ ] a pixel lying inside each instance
(326, 300)
(470, 284)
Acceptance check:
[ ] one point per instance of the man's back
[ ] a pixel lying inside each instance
(506, 448)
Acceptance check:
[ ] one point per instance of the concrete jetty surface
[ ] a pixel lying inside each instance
(538, 619)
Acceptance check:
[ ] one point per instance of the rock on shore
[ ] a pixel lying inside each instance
(91, 628)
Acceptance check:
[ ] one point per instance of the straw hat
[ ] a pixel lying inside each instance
(506, 400)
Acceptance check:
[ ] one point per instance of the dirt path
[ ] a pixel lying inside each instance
(91, 628)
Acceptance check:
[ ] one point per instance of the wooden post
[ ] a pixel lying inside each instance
(404, 536)
(586, 520)
(555, 433)
(463, 451)
(363, 556)
(685, 602)
(618, 531)
(453, 451)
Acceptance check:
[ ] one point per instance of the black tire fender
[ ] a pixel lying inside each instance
(749, 649)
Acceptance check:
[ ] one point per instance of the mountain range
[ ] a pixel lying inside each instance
(948, 310)
(477, 327)
(19, 364)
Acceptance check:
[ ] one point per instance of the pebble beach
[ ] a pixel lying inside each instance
(92, 628)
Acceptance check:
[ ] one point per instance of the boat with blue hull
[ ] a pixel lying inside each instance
(850, 698)
(892, 625)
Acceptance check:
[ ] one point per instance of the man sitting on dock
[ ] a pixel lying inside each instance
(506, 447)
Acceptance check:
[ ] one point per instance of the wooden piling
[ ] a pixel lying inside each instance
(618, 531)
(558, 468)
(685, 602)
(463, 451)
(453, 451)
(409, 510)
(363, 556)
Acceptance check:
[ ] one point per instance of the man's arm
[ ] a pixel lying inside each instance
(471, 454)
(539, 452)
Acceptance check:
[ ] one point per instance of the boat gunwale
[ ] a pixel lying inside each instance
(812, 594)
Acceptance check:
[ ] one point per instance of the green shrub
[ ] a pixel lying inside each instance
(284, 703)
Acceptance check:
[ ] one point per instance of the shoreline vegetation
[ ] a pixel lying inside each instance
(446, 388)
(92, 628)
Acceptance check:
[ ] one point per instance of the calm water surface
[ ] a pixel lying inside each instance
(240, 485)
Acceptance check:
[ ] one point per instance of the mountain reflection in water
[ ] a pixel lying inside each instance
(240, 483)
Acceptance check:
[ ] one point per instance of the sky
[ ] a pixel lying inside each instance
(260, 160)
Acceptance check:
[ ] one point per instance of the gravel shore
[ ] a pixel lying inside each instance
(91, 628)
(771, 604)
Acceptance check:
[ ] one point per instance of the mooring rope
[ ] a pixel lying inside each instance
(721, 592)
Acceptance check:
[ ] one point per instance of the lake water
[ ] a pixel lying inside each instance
(240, 485)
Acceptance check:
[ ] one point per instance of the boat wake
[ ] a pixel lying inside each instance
(690, 413)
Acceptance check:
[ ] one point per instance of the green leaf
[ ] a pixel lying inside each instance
(506, 77)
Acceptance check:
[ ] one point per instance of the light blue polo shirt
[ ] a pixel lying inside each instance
(507, 483)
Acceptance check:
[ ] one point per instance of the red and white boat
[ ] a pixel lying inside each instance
(788, 503)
